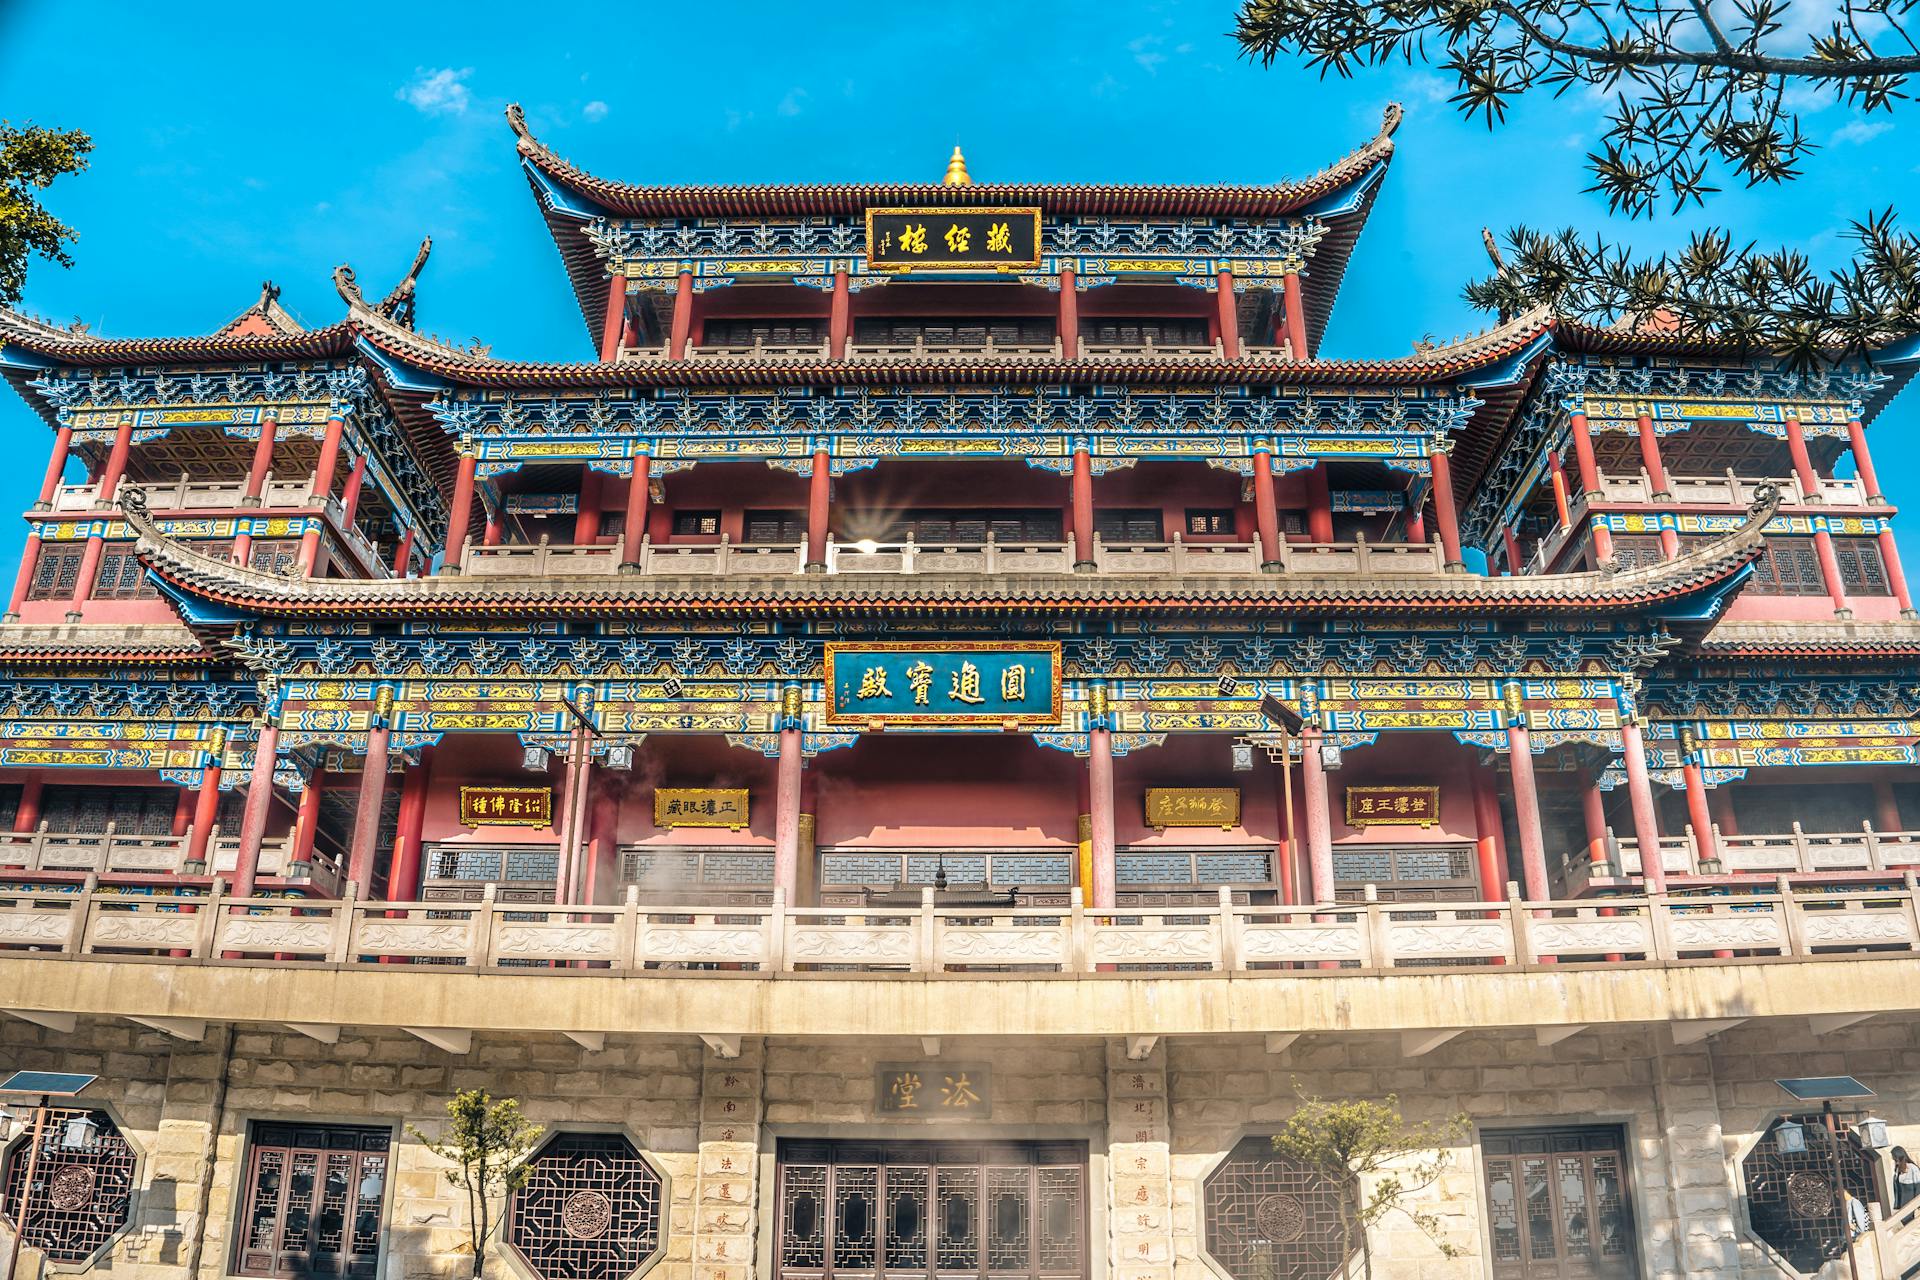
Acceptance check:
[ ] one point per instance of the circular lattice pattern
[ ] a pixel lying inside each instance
(586, 1215)
(70, 1187)
(1281, 1219)
(1809, 1195)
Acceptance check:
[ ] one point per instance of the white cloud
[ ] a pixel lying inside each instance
(1145, 52)
(595, 111)
(794, 103)
(437, 91)
(1861, 131)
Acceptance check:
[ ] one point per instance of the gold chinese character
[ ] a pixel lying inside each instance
(873, 684)
(1400, 803)
(999, 238)
(958, 1092)
(1013, 683)
(966, 685)
(920, 679)
(913, 239)
(903, 1091)
(957, 237)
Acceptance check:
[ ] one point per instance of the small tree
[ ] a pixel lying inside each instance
(31, 157)
(1380, 1163)
(486, 1141)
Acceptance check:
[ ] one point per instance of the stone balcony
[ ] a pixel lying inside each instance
(111, 853)
(1796, 852)
(186, 494)
(1730, 490)
(1175, 558)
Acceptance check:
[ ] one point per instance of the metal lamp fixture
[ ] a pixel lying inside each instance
(1872, 1133)
(1242, 757)
(78, 1132)
(534, 758)
(1790, 1138)
(1329, 755)
(620, 756)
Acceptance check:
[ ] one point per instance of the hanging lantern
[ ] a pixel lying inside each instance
(1243, 757)
(1790, 1138)
(79, 1132)
(535, 759)
(620, 756)
(1329, 755)
(1872, 1133)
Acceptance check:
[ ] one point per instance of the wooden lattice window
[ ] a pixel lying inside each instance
(1862, 571)
(1636, 550)
(1791, 1200)
(314, 1203)
(776, 528)
(56, 572)
(77, 1195)
(1107, 331)
(282, 558)
(590, 1209)
(1557, 1205)
(1014, 1211)
(122, 576)
(1788, 567)
(1267, 1217)
(1129, 524)
(86, 810)
(766, 333)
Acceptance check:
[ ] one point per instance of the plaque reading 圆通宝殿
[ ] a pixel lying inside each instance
(1193, 807)
(959, 682)
(1393, 806)
(700, 807)
(953, 239)
(506, 806)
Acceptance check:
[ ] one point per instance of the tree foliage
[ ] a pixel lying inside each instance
(1696, 87)
(1771, 303)
(1389, 1163)
(487, 1141)
(31, 157)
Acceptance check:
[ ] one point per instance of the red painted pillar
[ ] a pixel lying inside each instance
(1512, 544)
(1698, 813)
(682, 325)
(1802, 461)
(403, 554)
(306, 821)
(459, 513)
(1830, 573)
(1669, 544)
(1417, 523)
(56, 468)
(1082, 506)
(1646, 823)
(819, 496)
(839, 318)
(329, 459)
(586, 520)
(96, 545)
(1444, 510)
(493, 529)
(1863, 461)
(636, 521)
(1593, 809)
(614, 326)
(182, 812)
(1526, 806)
(1266, 514)
(786, 821)
(1602, 543)
(206, 801)
(242, 553)
(1319, 819)
(350, 495)
(1229, 316)
(1583, 456)
(116, 463)
(23, 581)
(261, 465)
(309, 552)
(1720, 803)
(27, 815)
(1296, 317)
(1069, 323)
(1490, 837)
(89, 570)
(1650, 457)
(1886, 808)
(1896, 576)
(1319, 505)
(1100, 813)
(1288, 844)
(1558, 476)
(253, 817)
(403, 876)
(366, 814)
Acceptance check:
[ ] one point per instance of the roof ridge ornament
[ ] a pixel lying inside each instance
(957, 175)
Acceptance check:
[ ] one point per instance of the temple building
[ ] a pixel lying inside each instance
(915, 755)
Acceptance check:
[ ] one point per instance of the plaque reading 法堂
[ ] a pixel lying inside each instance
(937, 1090)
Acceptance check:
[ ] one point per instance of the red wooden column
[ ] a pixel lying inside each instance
(206, 802)
(57, 468)
(373, 790)
(1319, 505)
(1802, 461)
(1083, 834)
(1444, 511)
(27, 815)
(1646, 823)
(614, 326)
(1069, 323)
(322, 490)
(23, 581)
(306, 819)
(253, 817)
(1512, 545)
(261, 465)
(494, 528)
(96, 544)
(586, 520)
(1896, 576)
(682, 317)
(1296, 314)
(350, 494)
(1699, 813)
(1229, 315)
(1266, 513)
(403, 874)
(1830, 573)
(636, 515)
(839, 318)
(403, 554)
(1082, 506)
(1886, 808)
(1319, 818)
(786, 818)
(1593, 810)
(1863, 461)
(1650, 458)
(1584, 460)
(819, 498)
(1100, 832)
(1561, 507)
(1526, 800)
(459, 513)
(1490, 837)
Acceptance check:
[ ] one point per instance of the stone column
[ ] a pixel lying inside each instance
(726, 1196)
(1698, 1221)
(1139, 1166)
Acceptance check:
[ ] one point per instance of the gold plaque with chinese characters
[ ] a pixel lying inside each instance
(1393, 806)
(506, 806)
(957, 239)
(1193, 807)
(700, 807)
(934, 1090)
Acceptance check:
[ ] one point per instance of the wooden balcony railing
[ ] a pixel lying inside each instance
(110, 851)
(634, 938)
(1796, 851)
(186, 494)
(1730, 490)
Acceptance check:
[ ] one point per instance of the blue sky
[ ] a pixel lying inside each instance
(276, 141)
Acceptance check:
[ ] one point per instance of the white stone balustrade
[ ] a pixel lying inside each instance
(1794, 851)
(1271, 942)
(187, 494)
(1729, 489)
(111, 851)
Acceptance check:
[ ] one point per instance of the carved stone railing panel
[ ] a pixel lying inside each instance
(1302, 943)
(276, 934)
(710, 942)
(37, 927)
(1447, 939)
(403, 937)
(886, 946)
(981, 945)
(1167, 945)
(141, 930)
(1592, 935)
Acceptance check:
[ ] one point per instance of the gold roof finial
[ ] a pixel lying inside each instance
(956, 171)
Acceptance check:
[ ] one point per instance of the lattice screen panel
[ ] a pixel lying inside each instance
(82, 1184)
(1269, 1218)
(590, 1209)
